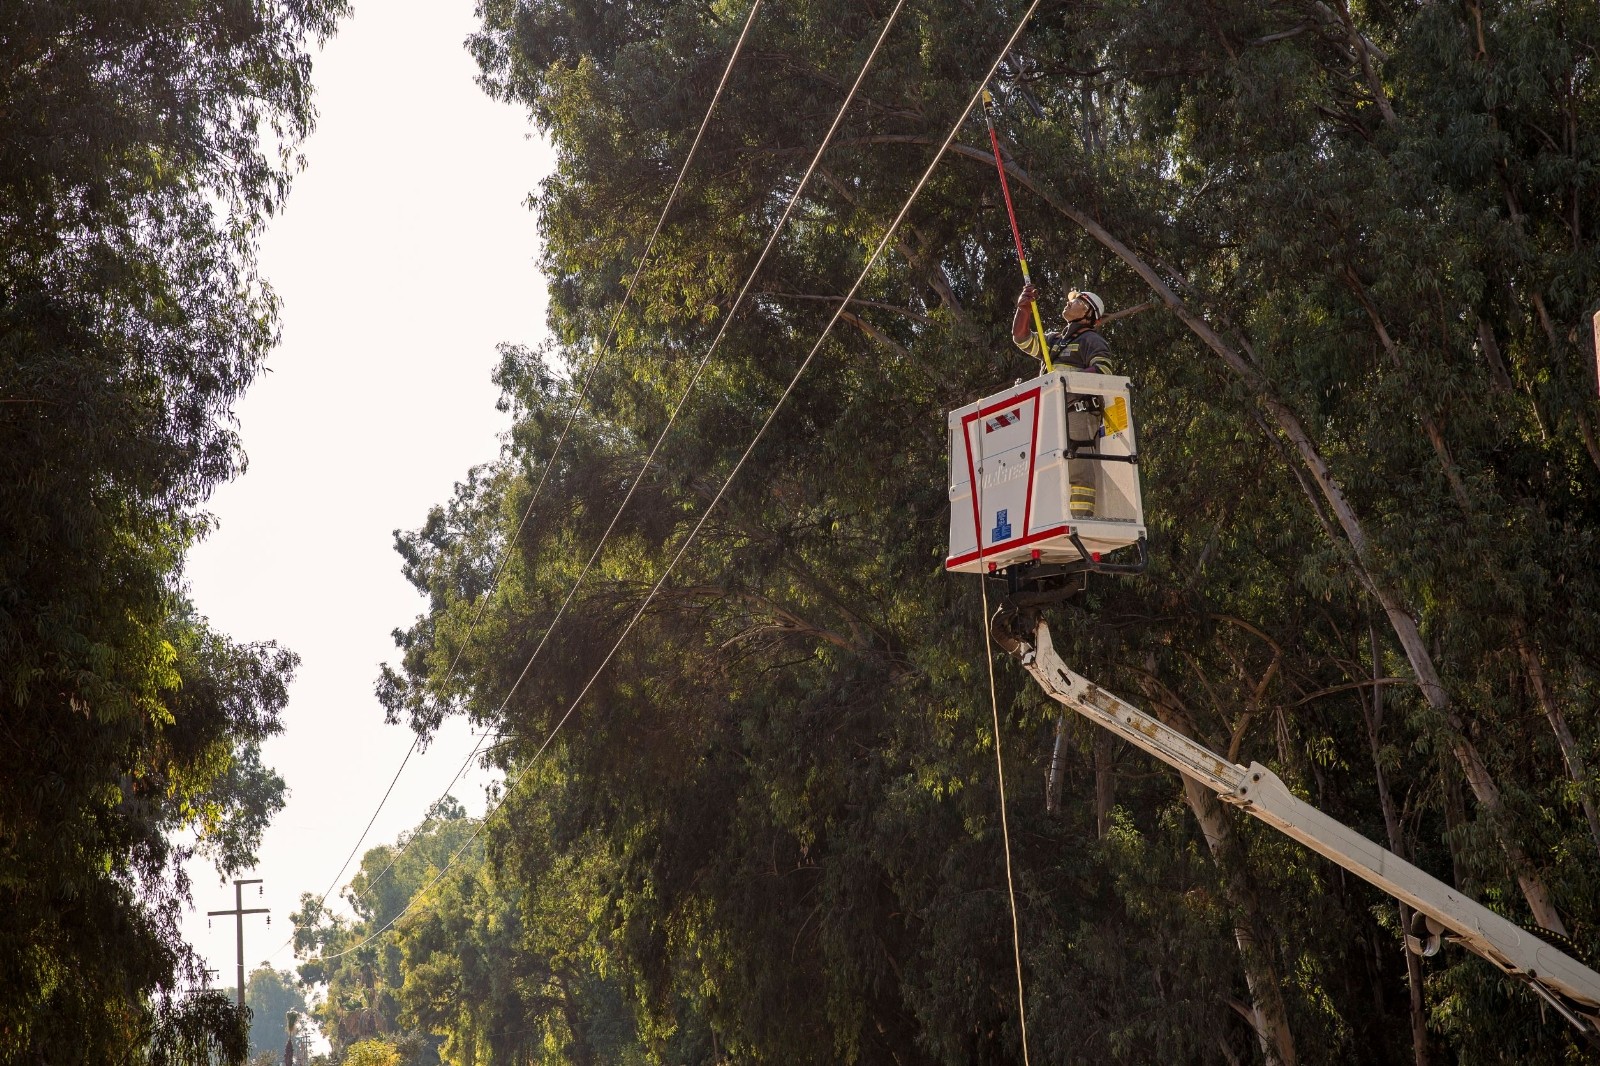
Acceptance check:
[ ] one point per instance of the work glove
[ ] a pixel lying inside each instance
(1021, 323)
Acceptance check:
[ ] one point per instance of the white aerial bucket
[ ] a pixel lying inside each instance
(1046, 471)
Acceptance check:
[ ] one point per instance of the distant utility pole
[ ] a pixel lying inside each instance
(238, 913)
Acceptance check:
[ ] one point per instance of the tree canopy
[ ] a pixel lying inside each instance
(270, 995)
(1350, 250)
(145, 147)
(483, 965)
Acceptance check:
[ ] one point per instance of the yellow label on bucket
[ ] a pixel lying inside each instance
(1116, 415)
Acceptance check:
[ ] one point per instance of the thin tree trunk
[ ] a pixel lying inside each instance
(1570, 753)
(1268, 1014)
(1391, 823)
(1365, 50)
(1498, 376)
(1418, 1006)
(1105, 781)
(1596, 324)
(1556, 346)
(582, 1050)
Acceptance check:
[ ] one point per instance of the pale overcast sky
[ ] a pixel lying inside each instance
(406, 254)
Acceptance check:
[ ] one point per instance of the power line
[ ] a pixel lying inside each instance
(727, 320)
(362, 838)
(688, 390)
(405, 847)
(373, 883)
(572, 415)
(794, 381)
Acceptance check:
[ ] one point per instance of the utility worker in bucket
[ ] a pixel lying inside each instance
(1079, 347)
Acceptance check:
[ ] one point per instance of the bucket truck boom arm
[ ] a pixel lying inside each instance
(1570, 987)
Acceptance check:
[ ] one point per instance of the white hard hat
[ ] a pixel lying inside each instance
(1098, 305)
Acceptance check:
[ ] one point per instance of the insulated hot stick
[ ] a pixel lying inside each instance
(1022, 258)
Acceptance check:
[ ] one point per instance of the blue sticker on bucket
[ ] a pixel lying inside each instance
(1002, 527)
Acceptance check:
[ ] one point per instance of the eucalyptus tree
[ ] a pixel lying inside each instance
(145, 147)
(359, 963)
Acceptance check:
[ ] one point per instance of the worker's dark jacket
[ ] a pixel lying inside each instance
(1078, 346)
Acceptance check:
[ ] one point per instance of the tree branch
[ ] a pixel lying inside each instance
(1376, 682)
(1366, 52)
(906, 312)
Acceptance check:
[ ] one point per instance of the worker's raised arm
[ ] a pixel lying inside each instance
(1022, 334)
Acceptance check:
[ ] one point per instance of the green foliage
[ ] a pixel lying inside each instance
(271, 995)
(362, 971)
(773, 817)
(201, 1029)
(132, 190)
(372, 1053)
(479, 967)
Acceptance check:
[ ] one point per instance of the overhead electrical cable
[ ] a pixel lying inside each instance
(716, 342)
(415, 742)
(694, 379)
(406, 846)
(805, 364)
(572, 414)
(739, 465)
(793, 382)
(688, 390)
